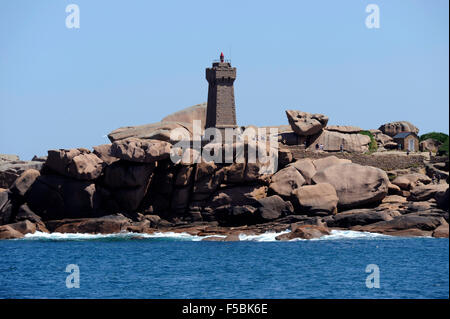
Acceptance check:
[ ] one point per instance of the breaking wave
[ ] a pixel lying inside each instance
(268, 236)
(116, 236)
(172, 236)
(351, 234)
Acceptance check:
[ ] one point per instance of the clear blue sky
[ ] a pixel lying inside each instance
(133, 62)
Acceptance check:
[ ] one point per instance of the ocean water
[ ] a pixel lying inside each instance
(182, 266)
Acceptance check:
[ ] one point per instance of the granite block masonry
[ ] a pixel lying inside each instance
(221, 109)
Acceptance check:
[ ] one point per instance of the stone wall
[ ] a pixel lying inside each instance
(385, 162)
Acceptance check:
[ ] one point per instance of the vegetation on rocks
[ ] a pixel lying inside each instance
(438, 136)
(373, 146)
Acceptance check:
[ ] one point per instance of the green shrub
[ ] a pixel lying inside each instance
(441, 137)
(443, 149)
(373, 146)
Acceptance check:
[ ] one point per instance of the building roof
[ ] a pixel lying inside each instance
(404, 134)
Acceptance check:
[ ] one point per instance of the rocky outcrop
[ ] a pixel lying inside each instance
(237, 196)
(306, 168)
(24, 227)
(408, 181)
(393, 128)
(7, 232)
(207, 179)
(238, 215)
(161, 130)
(271, 208)
(305, 124)
(285, 181)
(343, 129)
(11, 169)
(383, 141)
(19, 229)
(39, 158)
(127, 184)
(394, 199)
(323, 163)
(360, 217)
(103, 225)
(141, 151)
(332, 141)
(305, 232)
(155, 131)
(6, 207)
(8, 158)
(394, 189)
(317, 200)
(429, 145)
(441, 231)
(284, 157)
(437, 170)
(355, 185)
(185, 176)
(55, 197)
(442, 199)
(77, 163)
(188, 115)
(127, 175)
(406, 225)
(132, 185)
(24, 182)
(103, 152)
(25, 214)
(426, 192)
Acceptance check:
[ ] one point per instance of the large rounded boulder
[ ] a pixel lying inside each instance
(305, 124)
(182, 119)
(319, 199)
(355, 185)
(306, 167)
(285, 181)
(189, 115)
(408, 181)
(333, 140)
(429, 145)
(272, 207)
(328, 161)
(393, 128)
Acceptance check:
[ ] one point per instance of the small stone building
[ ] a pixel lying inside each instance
(407, 141)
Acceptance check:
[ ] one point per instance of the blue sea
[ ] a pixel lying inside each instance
(181, 266)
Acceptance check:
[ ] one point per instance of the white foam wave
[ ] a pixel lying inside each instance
(351, 234)
(268, 236)
(117, 236)
(265, 237)
(335, 235)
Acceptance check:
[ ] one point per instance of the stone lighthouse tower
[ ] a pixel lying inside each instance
(221, 110)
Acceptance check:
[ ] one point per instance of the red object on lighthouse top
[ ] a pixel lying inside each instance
(221, 57)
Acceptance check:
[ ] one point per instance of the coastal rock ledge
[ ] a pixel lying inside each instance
(132, 185)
